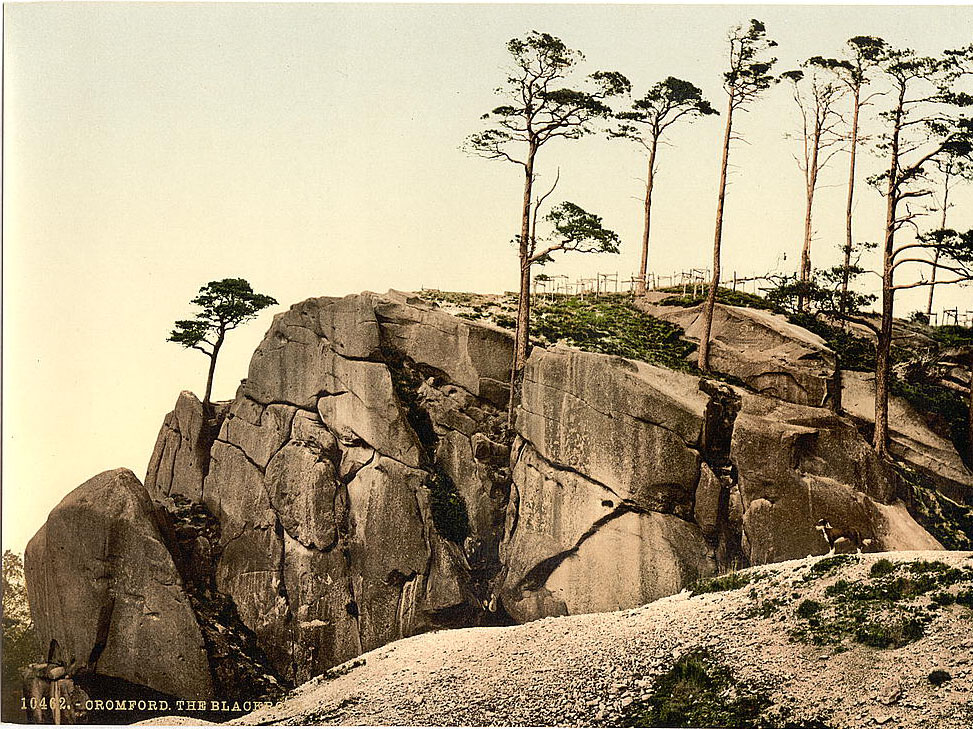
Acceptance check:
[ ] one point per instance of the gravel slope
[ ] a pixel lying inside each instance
(586, 669)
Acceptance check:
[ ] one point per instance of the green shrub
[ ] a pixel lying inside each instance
(881, 568)
(852, 351)
(939, 677)
(808, 609)
(723, 583)
(830, 564)
(890, 632)
(698, 692)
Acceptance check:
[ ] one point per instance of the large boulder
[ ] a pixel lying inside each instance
(102, 583)
(604, 476)
(797, 465)
(768, 353)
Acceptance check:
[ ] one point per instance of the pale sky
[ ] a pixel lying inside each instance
(315, 150)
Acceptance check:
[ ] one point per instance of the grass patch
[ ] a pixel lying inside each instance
(723, 296)
(883, 610)
(611, 325)
(724, 583)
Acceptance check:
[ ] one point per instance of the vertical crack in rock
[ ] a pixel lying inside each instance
(718, 472)
(342, 517)
(240, 669)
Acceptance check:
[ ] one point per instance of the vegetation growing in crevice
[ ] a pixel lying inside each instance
(448, 509)
(239, 666)
(945, 409)
(853, 352)
(948, 521)
(449, 513)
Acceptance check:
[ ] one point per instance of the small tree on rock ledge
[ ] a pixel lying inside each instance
(225, 305)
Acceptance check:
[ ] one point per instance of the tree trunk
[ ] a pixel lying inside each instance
(849, 242)
(522, 333)
(883, 358)
(212, 370)
(640, 285)
(523, 303)
(708, 309)
(935, 260)
(811, 181)
(969, 417)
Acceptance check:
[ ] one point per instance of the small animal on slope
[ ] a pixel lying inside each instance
(833, 534)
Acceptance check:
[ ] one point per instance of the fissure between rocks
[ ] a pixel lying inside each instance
(240, 669)
(715, 444)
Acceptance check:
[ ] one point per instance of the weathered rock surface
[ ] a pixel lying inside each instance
(630, 481)
(797, 465)
(102, 583)
(911, 439)
(604, 475)
(769, 354)
(180, 459)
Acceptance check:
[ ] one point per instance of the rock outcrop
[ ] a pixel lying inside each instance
(102, 583)
(764, 350)
(180, 459)
(362, 487)
(605, 470)
(631, 481)
(359, 480)
(912, 440)
(797, 465)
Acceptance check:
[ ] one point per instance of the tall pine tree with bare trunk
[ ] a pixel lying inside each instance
(854, 71)
(952, 168)
(926, 120)
(816, 96)
(747, 77)
(538, 109)
(666, 103)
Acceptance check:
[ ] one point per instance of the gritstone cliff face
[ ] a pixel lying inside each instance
(361, 488)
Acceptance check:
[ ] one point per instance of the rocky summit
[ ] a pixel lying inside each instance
(363, 487)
